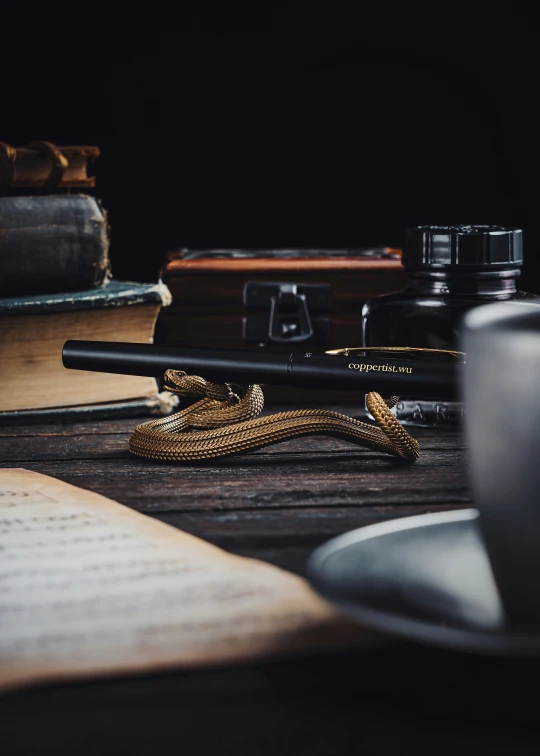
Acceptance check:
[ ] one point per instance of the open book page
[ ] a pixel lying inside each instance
(89, 587)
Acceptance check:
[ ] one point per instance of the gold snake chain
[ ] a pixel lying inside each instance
(224, 423)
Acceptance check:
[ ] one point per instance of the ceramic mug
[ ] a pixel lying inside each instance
(502, 395)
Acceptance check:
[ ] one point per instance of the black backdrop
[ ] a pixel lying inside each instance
(285, 131)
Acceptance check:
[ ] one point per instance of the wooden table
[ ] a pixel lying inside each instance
(276, 504)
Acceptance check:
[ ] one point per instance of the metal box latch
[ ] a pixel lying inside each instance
(293, 312)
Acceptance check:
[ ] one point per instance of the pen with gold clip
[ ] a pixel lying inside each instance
(391, 374)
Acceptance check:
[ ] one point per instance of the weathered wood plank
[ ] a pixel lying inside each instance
(276, 504)
(102, 428)
(277, 527)
(286, 537)
(126, 425)
(60, 444)
(257, 482)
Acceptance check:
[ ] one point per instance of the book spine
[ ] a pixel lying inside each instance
(52, 243)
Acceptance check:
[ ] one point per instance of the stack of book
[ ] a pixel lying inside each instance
(55, 284)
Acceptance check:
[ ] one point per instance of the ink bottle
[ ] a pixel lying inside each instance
(451, 269)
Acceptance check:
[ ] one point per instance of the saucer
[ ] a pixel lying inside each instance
(425, 578)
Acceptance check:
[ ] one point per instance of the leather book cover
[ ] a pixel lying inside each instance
(52, 243)
(114, 294)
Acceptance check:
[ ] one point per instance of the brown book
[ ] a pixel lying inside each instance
(215, 297)
(33, 331)
(42, 165)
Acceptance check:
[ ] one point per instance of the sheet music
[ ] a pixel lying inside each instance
(90, 587)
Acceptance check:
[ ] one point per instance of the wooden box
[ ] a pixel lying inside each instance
(213, 292)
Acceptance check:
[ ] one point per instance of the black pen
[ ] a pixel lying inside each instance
(388, 376)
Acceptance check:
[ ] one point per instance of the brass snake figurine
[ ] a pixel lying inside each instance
(223, 422)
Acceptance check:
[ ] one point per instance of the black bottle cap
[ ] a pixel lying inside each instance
(463, 247)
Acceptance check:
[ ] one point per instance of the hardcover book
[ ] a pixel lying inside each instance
(33, 331)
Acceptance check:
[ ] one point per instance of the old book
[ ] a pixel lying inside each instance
(33, 331)
(52, 243)
(42, 164)
(90, 588)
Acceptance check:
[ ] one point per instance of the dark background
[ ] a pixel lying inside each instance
(286, 130)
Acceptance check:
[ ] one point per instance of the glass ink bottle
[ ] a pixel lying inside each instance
(451, 269)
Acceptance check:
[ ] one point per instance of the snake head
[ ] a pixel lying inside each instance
(173, 381)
